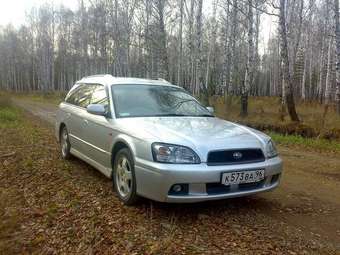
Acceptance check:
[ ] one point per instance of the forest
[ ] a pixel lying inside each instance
(211, 47)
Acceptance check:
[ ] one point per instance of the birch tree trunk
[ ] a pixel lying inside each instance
(329, 71)
(233, 46)
(212, 42)
(164, 62)
(337, 38)
(191, 46)
(232, 61)
(319, 89)
(256, 57)
(148, 60)
(303, 84)
(180, 58)
(227, 60)
(250, 59)
(328, 81)
(199, 61)
(287, 81)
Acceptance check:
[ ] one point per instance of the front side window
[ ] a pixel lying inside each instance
(153, 100)
(99, 96)
(84, 96)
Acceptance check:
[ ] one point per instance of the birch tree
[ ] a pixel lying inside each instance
(250, 61)
(337, 38)
(162, 44)
(199, 61)
(287, 81)
(180, 58)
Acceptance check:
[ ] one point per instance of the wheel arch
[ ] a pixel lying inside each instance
(61, 126)
(119, 144)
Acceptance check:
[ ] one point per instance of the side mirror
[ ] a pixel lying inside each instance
(211, 109)
(96, 109)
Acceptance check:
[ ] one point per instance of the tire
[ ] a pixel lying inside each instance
(65, 144)
(124, 178)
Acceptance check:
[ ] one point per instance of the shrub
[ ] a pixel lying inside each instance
(8, 114)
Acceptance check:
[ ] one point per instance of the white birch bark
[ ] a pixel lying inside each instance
(233, 47)
(180, 58)
(329, 71)
(250, 61)
(212, 42)
(198, 55)
(287, 82)
(337, 38)
(303, 84)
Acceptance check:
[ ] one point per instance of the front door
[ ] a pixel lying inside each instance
(96, 130)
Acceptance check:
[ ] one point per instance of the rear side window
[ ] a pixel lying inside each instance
(81, 95)
(71, 96)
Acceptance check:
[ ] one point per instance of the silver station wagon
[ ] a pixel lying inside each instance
(154, 140)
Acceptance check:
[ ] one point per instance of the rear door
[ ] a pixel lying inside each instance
(97, 131)
(75, 108)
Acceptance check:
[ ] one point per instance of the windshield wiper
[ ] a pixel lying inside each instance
(182, 102)
(170, 115)
(182, 115)
(204, 115)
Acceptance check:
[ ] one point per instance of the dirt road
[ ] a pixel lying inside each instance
(301, 217)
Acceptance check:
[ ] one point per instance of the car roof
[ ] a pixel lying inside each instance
(107, 79)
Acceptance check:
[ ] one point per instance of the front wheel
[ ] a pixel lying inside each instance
(65, 144)
(124, 179)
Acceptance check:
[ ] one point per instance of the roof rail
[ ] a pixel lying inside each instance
(97, 75)
(163, 80)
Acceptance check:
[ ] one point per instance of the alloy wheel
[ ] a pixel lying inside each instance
(124, 176)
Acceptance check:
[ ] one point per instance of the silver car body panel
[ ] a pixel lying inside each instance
(93, 138)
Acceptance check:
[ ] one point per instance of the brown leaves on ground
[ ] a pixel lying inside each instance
(48, 205)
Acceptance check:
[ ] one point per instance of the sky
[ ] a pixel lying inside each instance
(13, 11)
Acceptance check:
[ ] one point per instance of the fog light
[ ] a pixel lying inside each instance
(177, 188)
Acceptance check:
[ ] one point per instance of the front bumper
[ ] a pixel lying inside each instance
(154, 180)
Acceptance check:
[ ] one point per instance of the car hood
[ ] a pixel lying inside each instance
(203, 134)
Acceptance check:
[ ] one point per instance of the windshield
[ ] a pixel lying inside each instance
(151, 101)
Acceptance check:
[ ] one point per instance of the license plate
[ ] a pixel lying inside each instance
(242, 177)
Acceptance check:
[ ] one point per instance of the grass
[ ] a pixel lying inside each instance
(50, 97)
(9, 115)
(264, 114)
(310, 143)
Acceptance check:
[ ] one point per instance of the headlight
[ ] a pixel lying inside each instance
(174, 154)
(271, 149)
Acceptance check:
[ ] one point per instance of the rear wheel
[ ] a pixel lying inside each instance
(65, 143)
(124, 179)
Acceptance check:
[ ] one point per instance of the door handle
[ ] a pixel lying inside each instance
(86, 122)
(68, 115)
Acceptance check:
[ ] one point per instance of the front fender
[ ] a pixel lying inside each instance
(127, 140)
(138, 147)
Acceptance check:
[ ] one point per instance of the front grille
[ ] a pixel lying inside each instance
(235, 156)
